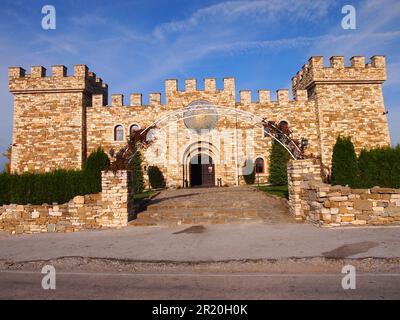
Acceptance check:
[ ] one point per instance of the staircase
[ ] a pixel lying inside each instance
(212, 205)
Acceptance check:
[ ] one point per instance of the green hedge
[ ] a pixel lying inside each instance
(344, 163)
(375, 167)
(156, 177)
(379, 167)
(58, 186)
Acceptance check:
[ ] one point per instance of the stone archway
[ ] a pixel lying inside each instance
(200, 162)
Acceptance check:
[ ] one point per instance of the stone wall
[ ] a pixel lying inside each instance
(312, 200)
(108, 209)
(349, 101)
(239, 134)
(49, 130)
(59, 120)
(116, 198)
(340, 206)
(300, 174)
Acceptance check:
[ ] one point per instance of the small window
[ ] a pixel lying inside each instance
(259, 164)
(134, 128)
(119, 133)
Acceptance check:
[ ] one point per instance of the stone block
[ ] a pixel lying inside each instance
(359, 222)
(363, 205)
(35, 214)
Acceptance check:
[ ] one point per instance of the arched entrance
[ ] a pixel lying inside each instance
(202, 171)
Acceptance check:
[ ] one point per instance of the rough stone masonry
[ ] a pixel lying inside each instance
(59, 119)
(108, 209)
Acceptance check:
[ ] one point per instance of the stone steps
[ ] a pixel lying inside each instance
(180, 216)
(176, 221)
(200, 212)
(209, 206)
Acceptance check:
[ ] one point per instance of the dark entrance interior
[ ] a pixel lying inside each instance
(202, 171)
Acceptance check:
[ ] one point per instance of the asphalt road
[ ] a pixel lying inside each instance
(84, 285)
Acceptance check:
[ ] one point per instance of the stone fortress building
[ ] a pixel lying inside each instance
(60, 119)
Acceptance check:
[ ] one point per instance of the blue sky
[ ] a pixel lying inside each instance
(135, 45)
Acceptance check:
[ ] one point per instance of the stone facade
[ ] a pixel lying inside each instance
(348, 101)
(59, 120)
(312, 200)
(108, 209)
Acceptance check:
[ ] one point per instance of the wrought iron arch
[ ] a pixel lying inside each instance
(294, 147)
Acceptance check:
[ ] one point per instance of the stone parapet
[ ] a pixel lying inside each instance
(358, 72)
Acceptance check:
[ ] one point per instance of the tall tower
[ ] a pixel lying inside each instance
(49, 129)
(349, 101)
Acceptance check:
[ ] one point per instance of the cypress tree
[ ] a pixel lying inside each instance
(135, 165)
(278, 160)
(250, 178)
(156, 177)
(344, 163)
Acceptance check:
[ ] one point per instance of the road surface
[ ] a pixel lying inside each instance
(27, 285)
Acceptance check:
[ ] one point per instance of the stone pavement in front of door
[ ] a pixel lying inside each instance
(215, 206)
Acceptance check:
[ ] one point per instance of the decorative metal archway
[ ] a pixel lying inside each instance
(205, 109)
(280, 134)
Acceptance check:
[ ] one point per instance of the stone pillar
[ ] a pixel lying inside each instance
(117, 198)
(300, 173)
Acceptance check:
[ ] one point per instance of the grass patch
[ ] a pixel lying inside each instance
(280, 191)
(143, 195)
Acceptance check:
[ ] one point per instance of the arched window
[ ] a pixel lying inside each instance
(119, 133)
(259, 164)
(135, 127)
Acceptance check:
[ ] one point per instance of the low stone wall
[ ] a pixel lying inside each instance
(108, 209)
(300, 173)
(312, 200)
(338, 206)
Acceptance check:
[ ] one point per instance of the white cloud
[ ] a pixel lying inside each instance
(268, 10)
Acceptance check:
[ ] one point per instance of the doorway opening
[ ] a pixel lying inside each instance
(202, 171)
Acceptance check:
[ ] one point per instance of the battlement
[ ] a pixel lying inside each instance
(337, 72)
(37, 80)
(264, 97)
(135, 100)
(210, 85)
(171, 88)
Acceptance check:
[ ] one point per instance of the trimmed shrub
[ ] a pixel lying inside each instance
(136, 166)
(344, 163)
(250, 178)
(5, 183)
(95, 163)
(379, 167)
(278, 160)
(156, 177)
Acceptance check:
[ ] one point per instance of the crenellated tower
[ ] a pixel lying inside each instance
(349, 101)
(49, 129)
